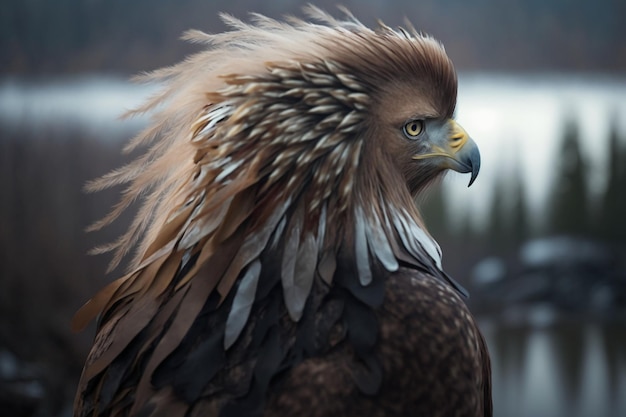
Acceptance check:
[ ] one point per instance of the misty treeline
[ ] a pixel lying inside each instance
(41, 36)
(45, 271)
(570, 208)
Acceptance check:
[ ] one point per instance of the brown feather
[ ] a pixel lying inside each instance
(276, 225)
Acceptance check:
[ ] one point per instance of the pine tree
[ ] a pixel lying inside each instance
(613, 205)
(519, 209)
(497, 222)
(569, 206)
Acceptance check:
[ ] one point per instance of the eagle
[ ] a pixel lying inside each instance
(281, 266)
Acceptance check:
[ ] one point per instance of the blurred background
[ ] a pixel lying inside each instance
(539, 240)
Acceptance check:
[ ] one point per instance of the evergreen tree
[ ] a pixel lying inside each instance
(465, 231)
(613, 205)
(519, 209)
(497, 222)
(569, 206)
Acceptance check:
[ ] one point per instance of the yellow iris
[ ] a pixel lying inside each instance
(414, 128)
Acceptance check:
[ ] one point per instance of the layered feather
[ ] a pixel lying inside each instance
(260, 192)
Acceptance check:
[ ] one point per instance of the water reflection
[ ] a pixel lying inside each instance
(567, 369)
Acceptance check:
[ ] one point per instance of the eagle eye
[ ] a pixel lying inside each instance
(413, 128)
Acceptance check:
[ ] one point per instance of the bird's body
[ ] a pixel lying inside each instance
(282, 267)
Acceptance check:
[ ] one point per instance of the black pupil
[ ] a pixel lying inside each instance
(414, 127)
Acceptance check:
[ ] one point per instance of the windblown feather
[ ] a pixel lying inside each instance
(268, 202)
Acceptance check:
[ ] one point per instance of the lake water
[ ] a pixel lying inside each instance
(573, 369)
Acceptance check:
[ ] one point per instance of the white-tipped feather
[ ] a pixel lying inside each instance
(403, 231)
(202, 226)
(288, 263)
(425, 241)
(242, 304)
(360, 248)
(304, 272)
(379, 245)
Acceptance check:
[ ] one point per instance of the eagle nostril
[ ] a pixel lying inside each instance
(457, 140)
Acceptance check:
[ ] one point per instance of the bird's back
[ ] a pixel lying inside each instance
(428, 352)
(433, 356)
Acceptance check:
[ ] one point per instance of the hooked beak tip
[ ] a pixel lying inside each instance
(474, 175)
(474, 159)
